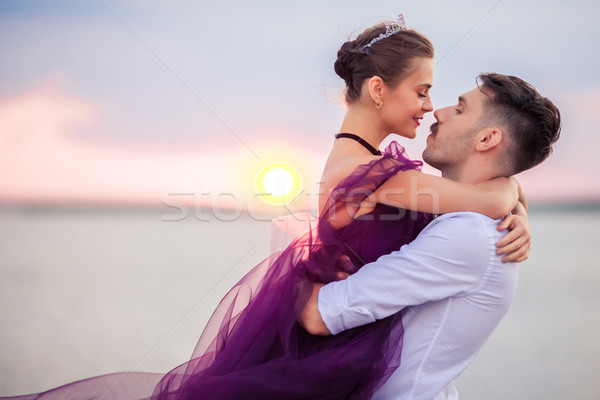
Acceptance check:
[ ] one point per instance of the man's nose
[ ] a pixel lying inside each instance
(441, 113)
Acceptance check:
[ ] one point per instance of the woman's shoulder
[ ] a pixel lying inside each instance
(352, 171)
(393, 157)
(346, 166)
(336, 170)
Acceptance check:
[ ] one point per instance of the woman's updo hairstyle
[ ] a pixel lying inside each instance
(391, 58)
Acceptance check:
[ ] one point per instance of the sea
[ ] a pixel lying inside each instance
(89, 291)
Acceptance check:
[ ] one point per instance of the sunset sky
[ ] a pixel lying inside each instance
(146, 102)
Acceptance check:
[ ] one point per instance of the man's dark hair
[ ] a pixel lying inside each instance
(531, 120)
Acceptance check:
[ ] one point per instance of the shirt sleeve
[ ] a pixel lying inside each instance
(448, 259)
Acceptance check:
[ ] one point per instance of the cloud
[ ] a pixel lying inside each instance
(43, 159)
(57, 148)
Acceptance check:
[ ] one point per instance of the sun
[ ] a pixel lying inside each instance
(278, 183)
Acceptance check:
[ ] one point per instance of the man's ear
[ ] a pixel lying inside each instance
(376, 88)
(489, 139)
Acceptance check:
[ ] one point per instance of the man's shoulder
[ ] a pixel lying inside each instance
(465, 216)
(468, 234)
(467, 222)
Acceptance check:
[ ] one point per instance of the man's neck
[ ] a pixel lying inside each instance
(472, 171)
(451, 174)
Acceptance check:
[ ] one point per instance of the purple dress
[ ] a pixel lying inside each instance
(253, 347)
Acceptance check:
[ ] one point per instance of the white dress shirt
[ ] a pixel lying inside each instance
(456, 290)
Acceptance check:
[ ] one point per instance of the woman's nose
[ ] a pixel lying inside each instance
(428, 106)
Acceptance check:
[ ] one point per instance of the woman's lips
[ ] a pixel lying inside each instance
(417, 120)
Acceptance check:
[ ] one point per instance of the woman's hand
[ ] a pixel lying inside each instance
(517, 243)
(310, 317)
(343, 267)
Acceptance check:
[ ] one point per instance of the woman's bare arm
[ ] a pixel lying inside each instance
(414, 190)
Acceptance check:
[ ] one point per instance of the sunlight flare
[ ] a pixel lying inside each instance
(278, 183)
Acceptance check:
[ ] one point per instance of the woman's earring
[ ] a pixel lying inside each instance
(378, 104)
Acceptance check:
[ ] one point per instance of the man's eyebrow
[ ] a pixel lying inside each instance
(461, 99)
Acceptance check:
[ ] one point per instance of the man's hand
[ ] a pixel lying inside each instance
(310, 318)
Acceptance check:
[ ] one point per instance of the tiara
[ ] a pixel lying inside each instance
(391, 29)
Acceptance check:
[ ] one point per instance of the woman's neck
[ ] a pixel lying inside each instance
(341, 160)
(364, 124)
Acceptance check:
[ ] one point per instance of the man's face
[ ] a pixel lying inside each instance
(453, 136)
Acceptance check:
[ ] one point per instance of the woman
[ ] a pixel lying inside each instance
(253, 348)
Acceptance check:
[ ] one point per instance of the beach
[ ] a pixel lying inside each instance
(86, 291)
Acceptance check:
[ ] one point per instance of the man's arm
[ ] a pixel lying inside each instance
(449, 258)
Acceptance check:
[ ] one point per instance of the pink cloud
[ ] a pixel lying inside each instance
(42, 160)
(45, 160)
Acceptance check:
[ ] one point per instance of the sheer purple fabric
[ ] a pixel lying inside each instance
(253, 347)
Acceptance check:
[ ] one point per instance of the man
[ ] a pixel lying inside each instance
(451, 285)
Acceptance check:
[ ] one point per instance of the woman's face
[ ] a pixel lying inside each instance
(404, 105)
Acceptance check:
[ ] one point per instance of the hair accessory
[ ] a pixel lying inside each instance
(393, 28)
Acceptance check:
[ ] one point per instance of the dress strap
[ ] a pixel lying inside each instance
(360, 140)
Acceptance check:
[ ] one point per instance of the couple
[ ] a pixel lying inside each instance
(449, 284)
(406, 318)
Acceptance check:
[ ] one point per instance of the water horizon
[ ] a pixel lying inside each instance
(89, 291)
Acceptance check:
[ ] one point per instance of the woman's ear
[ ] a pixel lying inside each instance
(376, 85)
(489, 139)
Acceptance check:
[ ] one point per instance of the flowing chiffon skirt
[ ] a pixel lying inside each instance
(253, 347)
